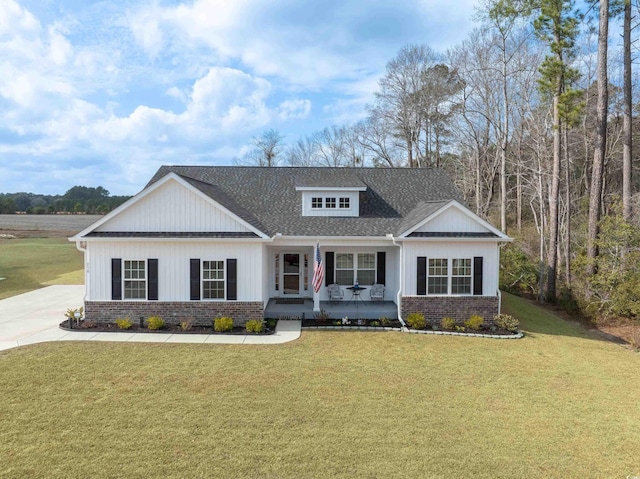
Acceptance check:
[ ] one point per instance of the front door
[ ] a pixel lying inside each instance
(291, 274)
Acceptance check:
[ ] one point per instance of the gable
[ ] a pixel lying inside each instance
(452, 220)
(173, 207)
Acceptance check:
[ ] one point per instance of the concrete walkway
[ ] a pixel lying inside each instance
(34, 318)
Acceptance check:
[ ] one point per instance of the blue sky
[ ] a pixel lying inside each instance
(103, 93)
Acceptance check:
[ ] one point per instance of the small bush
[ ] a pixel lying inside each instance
(416, 321)
(460, 329)
(375, 323)
(155, 322)
(186, 325)
(124, 323)
(448, 323)
(271, 323)
(222, 324)
(474, 322)
(385, 321)
(506, 321)
(254, 326)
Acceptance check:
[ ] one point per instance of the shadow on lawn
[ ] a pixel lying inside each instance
(535, 319)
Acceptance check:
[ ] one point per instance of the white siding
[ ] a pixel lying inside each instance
(173, 207)
(453, 220)
(489, 251)
(173, 266)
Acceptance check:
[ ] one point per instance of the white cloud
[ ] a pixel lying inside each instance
(297, 109)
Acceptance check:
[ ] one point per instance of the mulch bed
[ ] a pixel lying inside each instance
(168, 329)
(373, 323)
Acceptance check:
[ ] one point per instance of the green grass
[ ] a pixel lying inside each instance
(332, 404)
(31, 263)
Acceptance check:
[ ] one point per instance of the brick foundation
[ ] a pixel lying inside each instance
(459, 308)
(173, 312)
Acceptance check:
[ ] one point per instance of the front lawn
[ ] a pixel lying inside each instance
(332, 404)
(31, 263)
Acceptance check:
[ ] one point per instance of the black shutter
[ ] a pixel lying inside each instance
(328, 270)
(116, 278)
(152, 285)
(382, 264)
(232, 279)
(194, 280)
(477, 276)
(421, 284)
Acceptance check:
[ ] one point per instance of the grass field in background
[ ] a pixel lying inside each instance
(32, 263)
(556, 403)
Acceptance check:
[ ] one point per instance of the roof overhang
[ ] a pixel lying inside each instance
(331, 188)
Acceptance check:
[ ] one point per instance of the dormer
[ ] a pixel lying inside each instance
(331, 200)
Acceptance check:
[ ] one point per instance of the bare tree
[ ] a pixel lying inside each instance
(266, 151)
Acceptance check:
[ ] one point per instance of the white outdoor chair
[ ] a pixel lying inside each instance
(335, 293)
(377, 292)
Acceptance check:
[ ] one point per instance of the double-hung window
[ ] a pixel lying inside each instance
(344, 269)
(135, 279)
(461, 276)
(213, 280)
(438, 276)
(366, 269)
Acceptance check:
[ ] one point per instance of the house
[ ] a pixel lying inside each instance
(201, 242)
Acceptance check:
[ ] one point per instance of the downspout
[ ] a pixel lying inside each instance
(401, 278)
(82, 247)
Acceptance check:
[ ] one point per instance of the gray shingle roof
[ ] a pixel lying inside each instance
(267, 197)
(171, 234)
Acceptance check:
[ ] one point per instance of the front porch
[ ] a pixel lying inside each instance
(303, 308)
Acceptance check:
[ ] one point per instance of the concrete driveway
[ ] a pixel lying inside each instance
(34, 318)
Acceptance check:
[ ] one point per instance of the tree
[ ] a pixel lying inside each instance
(557, 25)
(597, 169)
(266, 151)
(627, 152)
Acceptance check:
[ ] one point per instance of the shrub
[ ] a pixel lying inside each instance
(124, 323)
(474, 322)
(271, 323)
(416, 321)
(448, 323)
(375, 323)
(223, 324)
(254, 326)
(155, 322)
(186, 325)
(385, 321)
(506, 321)
(460, 329)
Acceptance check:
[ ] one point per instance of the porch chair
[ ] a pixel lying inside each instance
(377, 292)
(335, 293)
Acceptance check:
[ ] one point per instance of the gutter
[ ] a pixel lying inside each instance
(399, 293)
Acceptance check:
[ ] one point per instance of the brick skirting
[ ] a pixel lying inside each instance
(459, 308)
(173, 312)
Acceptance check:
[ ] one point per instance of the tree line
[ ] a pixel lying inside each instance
(77, 200)
(534, 115)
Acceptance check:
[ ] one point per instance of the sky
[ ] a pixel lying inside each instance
(104, 93)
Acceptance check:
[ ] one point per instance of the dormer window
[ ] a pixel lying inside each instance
(345, 203)
(330, 203)
(333, 201)
(316, 202)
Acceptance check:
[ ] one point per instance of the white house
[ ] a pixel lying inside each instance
(200, 242)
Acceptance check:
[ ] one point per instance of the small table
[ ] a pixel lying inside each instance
(355, 294)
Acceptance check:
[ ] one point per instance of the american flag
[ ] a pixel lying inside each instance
(318, 270)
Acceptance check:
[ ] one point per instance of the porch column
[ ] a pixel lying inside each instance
(316, 302)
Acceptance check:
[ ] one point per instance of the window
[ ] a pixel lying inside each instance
(344, 269)
(438, 276)
(316, 202)
(366, 272)
(277, 279)
(345, 203)
(360, 266)
(135, 280)
(213, 280)
(329, 202)
(461, 276)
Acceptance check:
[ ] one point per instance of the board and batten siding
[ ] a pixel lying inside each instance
(431, 249)
(173, 207)
(173, 266)
(453, 220)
